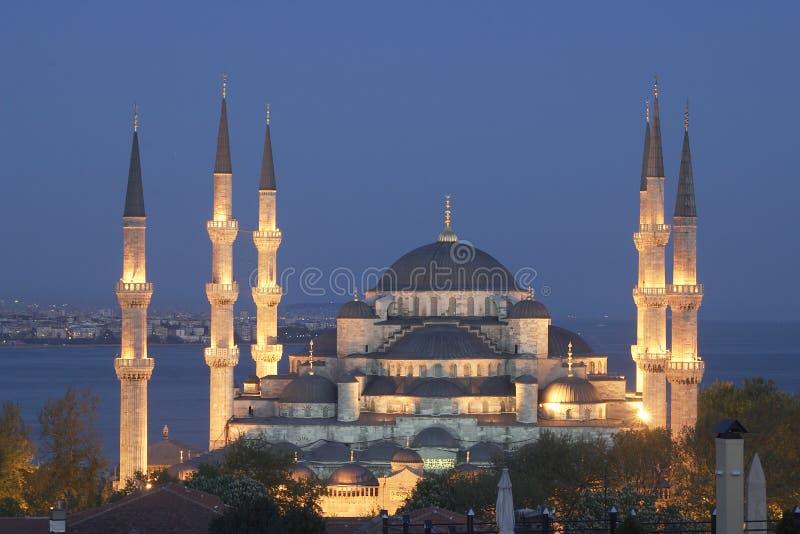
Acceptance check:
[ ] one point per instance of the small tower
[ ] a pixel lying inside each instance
(650, 296)
(267, 293)
(685, 368)
(133, 366)
(222, 355)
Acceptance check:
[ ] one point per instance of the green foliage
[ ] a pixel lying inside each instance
(630, 525)
(788, 524)
(141, 481)
(233, 490)
(456, 491)
(259, 515)
(640, 459)
(70, 450)
(16, 455)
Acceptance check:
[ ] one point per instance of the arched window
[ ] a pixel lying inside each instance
(307, 411)
(434, 306)
(479, 370)
(591, 367)
(489, 307)
(451, 306)
(455, 408)
(485, 406)
(437, 407)
(391, 369)
(423, 371)
(467, 370)
(499, 369)
(416, 305)
(569, 413)
(437, 370)
(470, 306)
(325, 411)
(453, 370)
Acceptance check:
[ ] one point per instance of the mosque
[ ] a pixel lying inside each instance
(444, 364)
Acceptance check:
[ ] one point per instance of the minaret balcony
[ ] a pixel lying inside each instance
(650, 235)
(651, 362)
(134, 368)
(696, 289)
(267, 296)
(134, 294)
(682, 297)
(222, 293)
(267, 353)
(221, 357)
(223, 232)
(267, 239)
(685, 372)
(650, 296)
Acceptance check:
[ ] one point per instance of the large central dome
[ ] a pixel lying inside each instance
(447, 266)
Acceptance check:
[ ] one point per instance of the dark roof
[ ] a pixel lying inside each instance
(300, 472)
(267, 179)
(382, 451)
(330, 451)
(684, 201)
(655, 158)
(222, 163)
(570, 389)
(168, 452)
(434, 436)
(309, 388)
(352, 475)
(252, 379)
(134, 197)
(346, 378)
(645, 156)
(380, 385)
(435, 387)
(484, 452)
(24, 525)
(496, 386)
(424, 268)
(529, 309)
(356, 309)
(170, 508)
(558, 339)
(440, 342)
(407, 456)
(325, 343)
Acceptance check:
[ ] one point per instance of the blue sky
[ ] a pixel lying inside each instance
(530, 114)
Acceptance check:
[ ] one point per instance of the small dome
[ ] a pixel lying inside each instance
(558, 338)
(526, 379)
(356, 309)
(301, 473)
(352, 475)
(434, 436)
(435, 387)
(311, 389)
(529, 309)
(570, 390)
(484, 452)
(407, 456)
(380, 385)
(329, 452)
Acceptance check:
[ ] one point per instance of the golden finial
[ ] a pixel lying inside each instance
(569, 359)
(530, 292)
(647, 111)
(352, 455)
(267, 114)
(311, 357)
(447, 211)
(296, 456)
(686, 117)
(467, 456)
(655, 87)
(408, 442)
(224, 85)
(135, 117)
(355, 294)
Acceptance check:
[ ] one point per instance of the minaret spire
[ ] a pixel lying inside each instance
(646, 152)
(222, 163)
(684, 201)
(134, 197)
(267, 180)
(447, 235)
(655, 160)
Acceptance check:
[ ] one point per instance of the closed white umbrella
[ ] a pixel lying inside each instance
(504, 509)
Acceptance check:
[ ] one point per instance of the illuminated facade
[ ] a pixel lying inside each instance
(266, 350)
(133, 365)
(222, 354)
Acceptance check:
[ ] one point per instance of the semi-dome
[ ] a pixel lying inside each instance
(570, 390)
(352, 475)
(447, 266)
(407, 456)
(434, 436)
(309, 389)
(356, 309)
(529, 309)
(559, 338)
(301, 473)
(437, 342)
(381, 451)
(435, 387)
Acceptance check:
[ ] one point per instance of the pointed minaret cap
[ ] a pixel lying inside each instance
(267, 180)
(134, 197)
(447, 235)
(684, 200)
(646, 152)
(222, 163)
(655, 158)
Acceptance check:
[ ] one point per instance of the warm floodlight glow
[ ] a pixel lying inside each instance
(643, 416)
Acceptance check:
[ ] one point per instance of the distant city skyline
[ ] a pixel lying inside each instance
(530, 117)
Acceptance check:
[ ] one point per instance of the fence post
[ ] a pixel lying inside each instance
(471, 521)
(385, 520)
(428, 526)
(406, 523)
(714, 520)
(612, 520)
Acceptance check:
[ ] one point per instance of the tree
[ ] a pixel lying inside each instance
(640, 459)
(71, 454)
(16, 455)
(256, 516)
(456, 491)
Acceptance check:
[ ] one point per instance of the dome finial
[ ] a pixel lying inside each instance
(224, 85)
(352, 456)
(686, 117)
(296, 456)
(468, 455)
(135, 117)
(408, 442)
(165, 433)
(569, 359)
(355, 294)
(311, 357)
(655, 86)
(447, 235)
(267, 114)
(530, 292)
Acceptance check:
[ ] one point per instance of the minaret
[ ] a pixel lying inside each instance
(267, 293)
(650, 351)
(222, 291)
(133, 366)
(684, 369)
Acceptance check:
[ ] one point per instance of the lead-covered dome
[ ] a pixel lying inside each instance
(356, 309)
(309, 389)
(352, 475)
(447, 266)
(434, 436)
(529, 309)
(570, 390)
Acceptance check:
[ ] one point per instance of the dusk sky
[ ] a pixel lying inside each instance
(531, 115)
